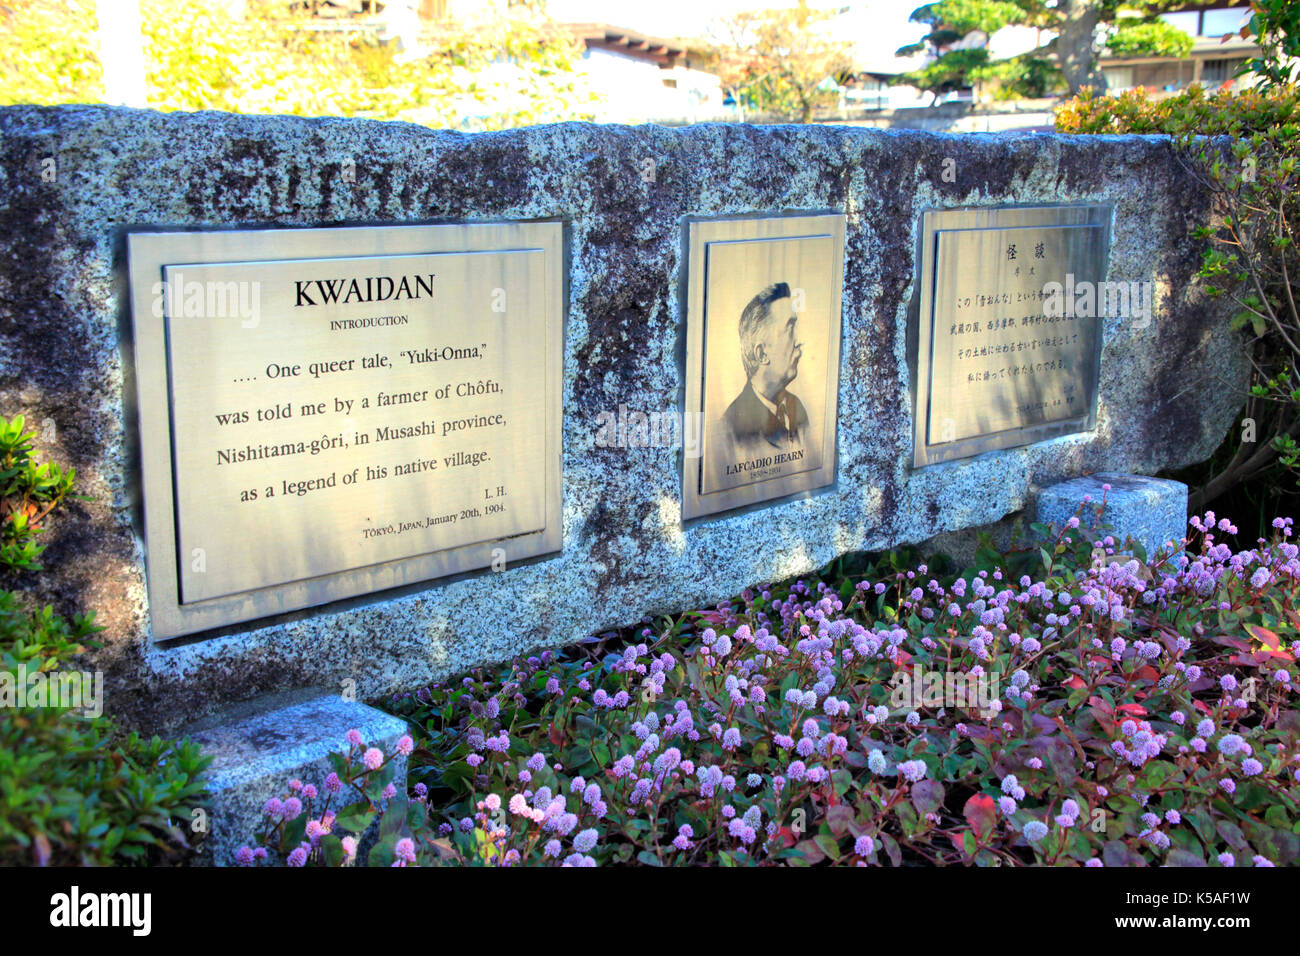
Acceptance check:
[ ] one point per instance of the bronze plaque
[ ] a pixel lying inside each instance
(1000, 356)
(329, 412)
(762, 358)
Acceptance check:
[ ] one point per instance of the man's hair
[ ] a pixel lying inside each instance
(752, 320)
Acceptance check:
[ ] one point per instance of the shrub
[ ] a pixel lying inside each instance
(259, 59)
(1250, 254)
(1148, 38)
(28, 494)
(1192, 112)
(73, 788)
(1138, 713)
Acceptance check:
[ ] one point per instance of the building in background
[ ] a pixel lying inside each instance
(875, 62)
(647, 79)
(1212, 62)
(639, 78)
(1217, 51)
(872, 86)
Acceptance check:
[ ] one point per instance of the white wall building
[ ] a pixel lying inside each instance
(637, 91)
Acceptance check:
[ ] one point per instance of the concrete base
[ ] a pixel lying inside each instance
(1150, 511)
(259, 747)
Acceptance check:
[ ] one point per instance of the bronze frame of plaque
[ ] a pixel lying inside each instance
(921, 321)
(700, 234)
(150, 252)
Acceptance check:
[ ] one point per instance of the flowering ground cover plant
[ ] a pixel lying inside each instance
(1058, 705)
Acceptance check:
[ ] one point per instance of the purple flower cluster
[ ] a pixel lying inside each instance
(756, 731)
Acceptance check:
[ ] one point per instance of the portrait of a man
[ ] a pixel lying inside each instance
(767, 416)
(763, 358)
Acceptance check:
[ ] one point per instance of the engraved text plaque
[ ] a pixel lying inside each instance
(1000, 355)
(329, 412)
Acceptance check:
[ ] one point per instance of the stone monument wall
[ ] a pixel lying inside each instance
(75, 180)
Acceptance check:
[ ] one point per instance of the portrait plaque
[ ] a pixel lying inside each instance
(326, 413)
(762, 358)
(999, 355)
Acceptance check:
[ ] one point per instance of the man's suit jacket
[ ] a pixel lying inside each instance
(751, 424)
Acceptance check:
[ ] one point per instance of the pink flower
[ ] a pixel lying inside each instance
(404, 849)
(373, 758)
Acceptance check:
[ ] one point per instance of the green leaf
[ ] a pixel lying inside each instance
(381, 854)
(809, 851)
(927, 796)
(332, 850)
(1232, 835)
(354, 819)
(1115, 853)
(394, 818)
(839, 819)
(891, 849)
(828, 845)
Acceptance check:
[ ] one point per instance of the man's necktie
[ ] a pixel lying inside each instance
(781, 423)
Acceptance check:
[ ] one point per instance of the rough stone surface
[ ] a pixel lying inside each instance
(256, 754)
(626, 553)
(1151, 511)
